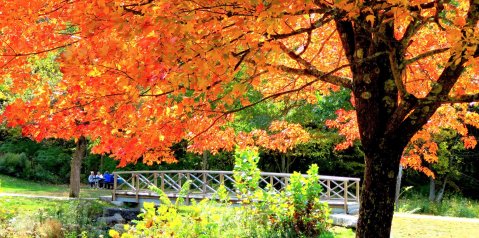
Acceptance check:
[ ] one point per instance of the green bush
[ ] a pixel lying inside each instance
(13, 164)
(294, 212)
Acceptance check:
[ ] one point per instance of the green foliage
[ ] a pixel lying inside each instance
(452, 205)
(294, 212)
(13, 164)
(28, 217)
(204, 219)
(246, 173)
(46, 161)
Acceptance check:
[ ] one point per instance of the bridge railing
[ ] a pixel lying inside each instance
(206, 183)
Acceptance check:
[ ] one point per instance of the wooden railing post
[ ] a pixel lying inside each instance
(155, 179)
(179, 180)
(328, 190)
(162, 181)
(346, 196)
(188, 193)
(204, 184)
(271, 181)
(115, 179)
(357, 191)
(133, 179)
(137, 187)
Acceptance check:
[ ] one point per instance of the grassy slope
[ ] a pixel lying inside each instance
(19, 186)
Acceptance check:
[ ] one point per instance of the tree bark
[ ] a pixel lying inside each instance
(204, 160)
(432, 189)
(378, 194)
(440, 194)
(283, 163)
(75, 167)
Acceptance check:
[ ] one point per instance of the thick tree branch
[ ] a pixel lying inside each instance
(346, 32)
(397, 75)
(448, 100)
(311, 70)
(317, 24)
(321, 77)
(423, 55)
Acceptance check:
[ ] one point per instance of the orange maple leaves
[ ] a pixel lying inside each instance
(422, 146)
(139, 76)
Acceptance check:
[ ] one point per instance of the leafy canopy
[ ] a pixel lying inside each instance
(139, 76)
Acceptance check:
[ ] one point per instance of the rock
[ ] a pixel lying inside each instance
(109, 220)
(127, 213)
(344, 220)
(117, 203)
(354, 211)
(119, 227)
(105, 198)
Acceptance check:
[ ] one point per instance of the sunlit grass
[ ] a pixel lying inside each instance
(426, 227)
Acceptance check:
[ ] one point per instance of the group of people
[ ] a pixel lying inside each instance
(101, 180)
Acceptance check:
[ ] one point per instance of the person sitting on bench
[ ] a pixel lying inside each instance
(92, 179)
(108, 180)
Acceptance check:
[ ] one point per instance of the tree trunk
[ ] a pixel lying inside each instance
(378, 193)
(284, 163)
(440, 194)
(432, 189)
(398, 187)
(75, 167)
(101, 163)
(204, 160)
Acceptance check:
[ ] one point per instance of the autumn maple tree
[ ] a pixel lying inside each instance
(139, 76)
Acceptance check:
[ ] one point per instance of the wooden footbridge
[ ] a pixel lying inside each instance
(132, 186)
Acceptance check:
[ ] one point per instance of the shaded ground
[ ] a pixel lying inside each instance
(17, 186)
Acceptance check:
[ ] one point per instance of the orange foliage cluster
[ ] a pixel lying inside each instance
(280, 136)
(141, 75)
(422, 146)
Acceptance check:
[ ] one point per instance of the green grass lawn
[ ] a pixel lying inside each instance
(19, 186)
(424, 227)
(427, 227)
